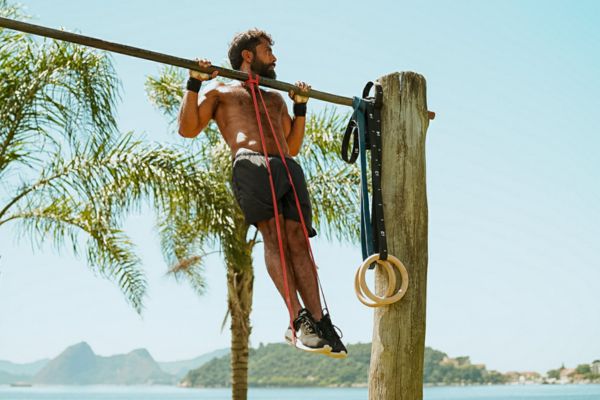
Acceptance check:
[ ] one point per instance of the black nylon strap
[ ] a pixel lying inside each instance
(374, 135)
(374, 144)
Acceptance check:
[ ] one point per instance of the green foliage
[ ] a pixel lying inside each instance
(495, 378)
(54, 94)
(583, 369)
(553, 374)
(282, 365)
(70, 178)
(332, 183)
(166, 91)
(584, 372)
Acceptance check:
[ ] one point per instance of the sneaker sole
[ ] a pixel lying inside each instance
(343, 354)
(326, 350)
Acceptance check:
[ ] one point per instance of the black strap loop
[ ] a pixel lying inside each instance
(351, 132)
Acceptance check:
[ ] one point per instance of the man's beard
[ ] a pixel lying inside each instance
(262, 69)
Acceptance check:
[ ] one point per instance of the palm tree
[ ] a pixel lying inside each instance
(68, 175)
(332, 185)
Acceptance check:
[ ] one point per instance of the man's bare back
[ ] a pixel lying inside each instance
(235, 116)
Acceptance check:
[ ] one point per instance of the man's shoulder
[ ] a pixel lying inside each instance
(214, 89)
(229, 87)
(225, 90)
(277, 95)
(236, 90)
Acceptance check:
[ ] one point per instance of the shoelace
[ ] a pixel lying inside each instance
(330, 330)
(338, 331)
(308, 325)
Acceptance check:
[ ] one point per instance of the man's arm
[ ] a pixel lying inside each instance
(294, 131)
(294, 128)
(195, 113)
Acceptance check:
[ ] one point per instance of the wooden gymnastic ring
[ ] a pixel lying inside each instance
(364, 288)
(391, 287)
(364, 291)
(388, 299)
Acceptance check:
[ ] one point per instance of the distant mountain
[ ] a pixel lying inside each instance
(180, 368)
(7, 378)
(78, 365)
(23, 369)
(281, 365)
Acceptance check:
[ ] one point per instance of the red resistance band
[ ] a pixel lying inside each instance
(252, 82)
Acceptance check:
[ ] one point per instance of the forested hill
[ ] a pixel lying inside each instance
(281, 365)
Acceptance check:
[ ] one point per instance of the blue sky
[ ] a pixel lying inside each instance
(512, 172)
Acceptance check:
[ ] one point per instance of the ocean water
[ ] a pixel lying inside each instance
(516, 392)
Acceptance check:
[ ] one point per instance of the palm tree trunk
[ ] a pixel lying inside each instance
(239, 287)
(240, 281)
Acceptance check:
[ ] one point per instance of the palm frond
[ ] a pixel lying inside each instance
(109, 251)
(56, 108)
(336, 203)
(182, 239)
(114, 178)
(52, 92)
(166, 91)
(333, 184)
(9, 10)
(190, 270)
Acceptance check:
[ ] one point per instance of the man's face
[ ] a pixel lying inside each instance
(263, 62)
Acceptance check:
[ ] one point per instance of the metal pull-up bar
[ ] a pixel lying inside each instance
(167, 59)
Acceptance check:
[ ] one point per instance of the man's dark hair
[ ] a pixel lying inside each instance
(246, 41)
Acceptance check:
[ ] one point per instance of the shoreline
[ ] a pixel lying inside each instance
(355, 386)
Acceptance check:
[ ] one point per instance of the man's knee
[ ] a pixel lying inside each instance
(268, 230)
(296, 239)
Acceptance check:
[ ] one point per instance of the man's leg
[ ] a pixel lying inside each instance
(268, 231)
(306, 279)
(309, 334)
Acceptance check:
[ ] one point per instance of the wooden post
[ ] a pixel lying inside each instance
(399, 329)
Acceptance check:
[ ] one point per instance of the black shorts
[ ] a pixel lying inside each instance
(252, 189)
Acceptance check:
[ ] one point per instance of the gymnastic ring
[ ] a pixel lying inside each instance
(391, 287)
(388, 299)
(364, 289)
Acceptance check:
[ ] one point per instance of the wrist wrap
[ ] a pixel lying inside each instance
(300, 109)
(193, 84)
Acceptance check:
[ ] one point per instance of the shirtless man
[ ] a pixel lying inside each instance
(231, 106)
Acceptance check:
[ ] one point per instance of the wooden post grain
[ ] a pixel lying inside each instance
(397, 354)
